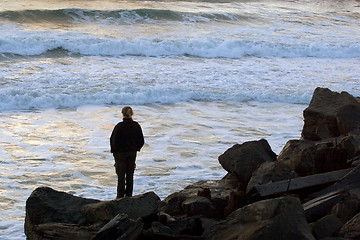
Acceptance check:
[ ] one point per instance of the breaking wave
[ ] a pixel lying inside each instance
(86, 44)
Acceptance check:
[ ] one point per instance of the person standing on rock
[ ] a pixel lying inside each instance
(126, 140)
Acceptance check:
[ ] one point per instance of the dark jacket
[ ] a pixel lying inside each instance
(127, 136)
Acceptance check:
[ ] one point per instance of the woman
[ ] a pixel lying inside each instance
(126, 139)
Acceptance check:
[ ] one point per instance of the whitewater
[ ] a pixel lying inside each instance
(200, 76)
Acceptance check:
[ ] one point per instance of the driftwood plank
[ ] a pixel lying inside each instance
(350, 181)
(319, 207)
(292, 185)
(321, 202)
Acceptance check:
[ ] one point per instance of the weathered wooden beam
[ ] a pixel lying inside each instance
(297, 184)
(320, 206)
(350, 181)
(320, 203)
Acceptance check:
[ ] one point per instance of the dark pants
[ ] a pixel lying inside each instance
(125, 167)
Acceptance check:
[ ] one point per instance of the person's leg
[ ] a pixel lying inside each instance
(120, 168)
(130, 173)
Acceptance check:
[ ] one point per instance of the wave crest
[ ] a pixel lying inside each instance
(203, 48)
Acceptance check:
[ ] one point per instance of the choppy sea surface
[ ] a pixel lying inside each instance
(200, 75)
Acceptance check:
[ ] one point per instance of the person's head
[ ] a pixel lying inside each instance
(127, 112)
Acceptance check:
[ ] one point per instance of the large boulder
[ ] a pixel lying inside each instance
(241, 160)
(46, 205)
(330, 114)
(280, 218)
(140, 206)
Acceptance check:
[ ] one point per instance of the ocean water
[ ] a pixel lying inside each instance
(200, 75)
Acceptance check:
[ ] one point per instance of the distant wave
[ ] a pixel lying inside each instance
(84, 44)
(114, 16)
(25, 99)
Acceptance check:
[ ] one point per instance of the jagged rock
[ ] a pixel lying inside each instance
(327, 226)
(301, 156)
(241, 160)
(270, 172)
(338, 151)
(310, 157)
(280, 218)
(330, 114)
(140, 206)
(46, 205)
(219, 193)
(351, 229)
(198, 206)
(120, 228)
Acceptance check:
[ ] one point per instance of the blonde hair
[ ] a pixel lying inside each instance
(127, 112)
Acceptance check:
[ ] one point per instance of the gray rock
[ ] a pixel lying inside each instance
(140, 206)
(330, 114)
(280, 218)
(241, 160)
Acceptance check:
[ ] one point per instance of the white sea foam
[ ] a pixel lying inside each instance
(41, 83)
(68, 150)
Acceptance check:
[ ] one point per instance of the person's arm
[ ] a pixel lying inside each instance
(140, 139)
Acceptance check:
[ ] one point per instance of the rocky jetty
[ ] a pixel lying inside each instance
(311, 190)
